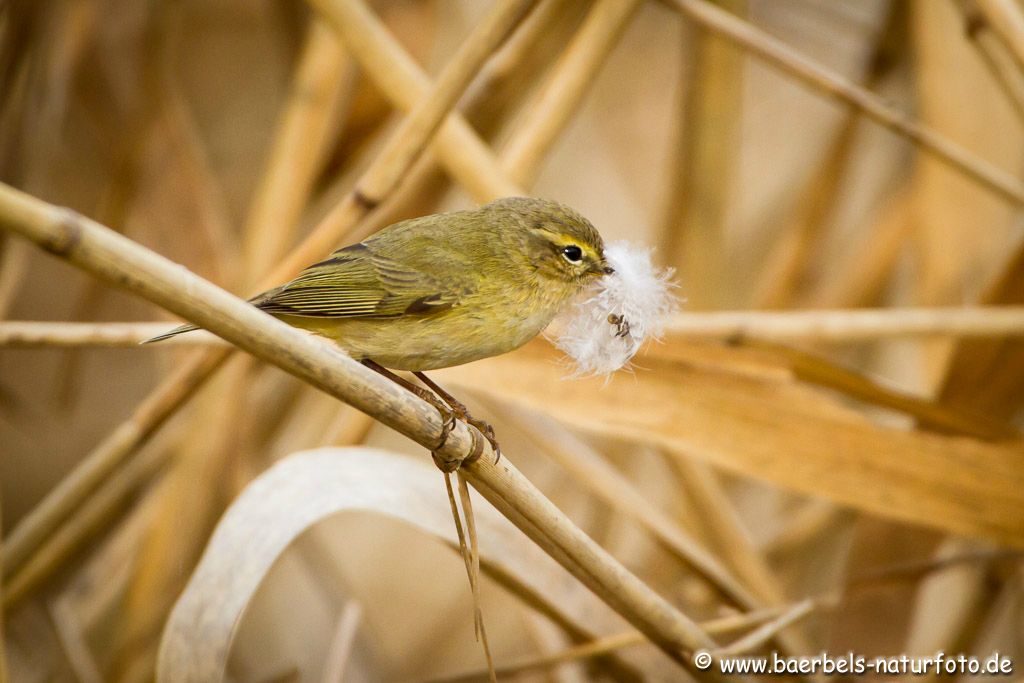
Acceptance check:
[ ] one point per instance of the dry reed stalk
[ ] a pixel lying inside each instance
(945, 207)
(342, 643)
(95, 511)
(186, 504)
(618, 641)
(767, 632)
(349, 427)
(469, 160)
(187, 145)
(174, 118)
(382, 176)
(95, 474)
(792, 62)
(305, 132)
(25, 334)
(73, 643)
(404, 83)
(188, 498)
(595, 648)
(192, 494)
(546, 118)
(785, 266)
(948, 608)
(754, 590)
(909, 571)
(499, 93)
(814, 520)
(13, 265)
(704, 158)
(506, 64)
(828, 326)
(424, 120)
(166, 123)
(776, 618)
(594, 472)
(97, 587)
(842, 326)
(98, 583)
(859, 279)
(128, 265)
(1005, 19)
(995, 55)
(726, 532)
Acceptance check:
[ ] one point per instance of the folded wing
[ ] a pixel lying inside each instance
(357, 283)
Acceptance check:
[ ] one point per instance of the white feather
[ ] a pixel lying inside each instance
(603, 330)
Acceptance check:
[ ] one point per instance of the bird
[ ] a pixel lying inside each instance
(443, 290)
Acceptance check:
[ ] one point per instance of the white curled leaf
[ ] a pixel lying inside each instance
(307, 487)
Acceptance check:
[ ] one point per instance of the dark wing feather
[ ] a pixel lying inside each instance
(357, 283)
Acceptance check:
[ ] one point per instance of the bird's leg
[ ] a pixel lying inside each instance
(448, 414)
(460, 409)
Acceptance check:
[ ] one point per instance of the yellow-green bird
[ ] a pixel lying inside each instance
(445, 289)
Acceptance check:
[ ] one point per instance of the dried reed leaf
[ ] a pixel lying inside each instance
(792, 435)
(307, 487)
(987, 375)
(957, 420)
(948, 206)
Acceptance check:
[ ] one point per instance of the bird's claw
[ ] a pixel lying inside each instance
(448, 419)
(488, 431)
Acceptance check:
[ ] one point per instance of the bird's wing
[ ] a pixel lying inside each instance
(356, 283)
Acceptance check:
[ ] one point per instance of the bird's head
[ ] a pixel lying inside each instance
(559, 242)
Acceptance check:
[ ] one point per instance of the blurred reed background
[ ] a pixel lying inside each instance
(854, 483)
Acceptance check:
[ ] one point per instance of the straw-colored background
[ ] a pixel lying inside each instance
(881, 476)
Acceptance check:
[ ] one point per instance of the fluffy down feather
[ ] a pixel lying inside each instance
(605, 328)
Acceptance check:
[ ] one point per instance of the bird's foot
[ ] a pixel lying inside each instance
(487, 430)
(448, 414)
(448, 418)
(462, 412)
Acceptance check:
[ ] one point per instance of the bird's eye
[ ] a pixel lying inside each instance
(572, 253)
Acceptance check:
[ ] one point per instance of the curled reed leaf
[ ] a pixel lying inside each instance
(310, 486)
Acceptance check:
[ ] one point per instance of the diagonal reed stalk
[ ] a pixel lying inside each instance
(775, 52)
(128, 265)
(995, 55)
(572, 73)
(546, 118)
(324, 74)
(373, 187)
(1007, 21)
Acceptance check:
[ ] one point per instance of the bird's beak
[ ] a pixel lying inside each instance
(608, 270)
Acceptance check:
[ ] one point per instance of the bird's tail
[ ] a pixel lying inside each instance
(181, 329)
